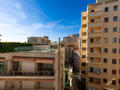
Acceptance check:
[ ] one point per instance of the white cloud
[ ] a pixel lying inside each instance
(12, 30)
(18, 6)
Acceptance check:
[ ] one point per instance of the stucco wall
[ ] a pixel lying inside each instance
(2, 84)
(28, 66)
(16, 84)
(46, 85)
(28, 84)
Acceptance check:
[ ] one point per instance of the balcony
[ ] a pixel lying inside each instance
(95, 54)
(94, 64)
(94, 75)
(26, 78)
(95, 24)
(84, 37)
(41, 73)
(90, 84)
(97, 34)
(83, 45)
(94, 44)
(95, 14)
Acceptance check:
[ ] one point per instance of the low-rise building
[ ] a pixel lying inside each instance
(34, 70)
(39, 40)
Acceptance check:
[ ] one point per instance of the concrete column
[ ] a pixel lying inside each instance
(9, 65)
(8, 84)
(35, 67)
(37, 84)
(20, 66)
(6, 66)
(20, 83)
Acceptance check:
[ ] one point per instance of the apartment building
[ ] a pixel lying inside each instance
(68, 55)
(71, 41)
(39, 40)
(31, 70)
(83, 45)
(102, 45)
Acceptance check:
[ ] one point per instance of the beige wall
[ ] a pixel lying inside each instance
(16, 84)
(46, 84)
(28, 84)
(28, 66)
(83, 44)
(2, 84)
(98, 35)
(27, 63)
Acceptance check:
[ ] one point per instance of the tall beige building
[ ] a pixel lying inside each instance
(83, 45)
(100, 51)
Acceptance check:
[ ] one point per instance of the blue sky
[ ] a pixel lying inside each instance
(20, 19)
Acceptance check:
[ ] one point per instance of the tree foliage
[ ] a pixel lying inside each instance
(10, 46)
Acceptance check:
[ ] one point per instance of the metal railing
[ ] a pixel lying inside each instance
(40, 73)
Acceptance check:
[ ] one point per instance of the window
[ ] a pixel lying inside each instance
(83, 72)
(92, 10)
(105, 80)
(115, 18)
(83, 56)
(119, 70)
(84, 25)
(106, 9)
(91, 30)
(105, 60)
(105, 70)
(105, 40)
(114, 72)
(114, 40)
(114, 29)
(119, 81)
(83, 64)
(106, 19)
(92, 20)
(105, 50)
(105, 29)
(84, 17)
(113, 82)
(115, 8)
(113, 61)
(2, 66)
(15, 66)
(91, 49)
(104, 89)
(91, 40)
(83, 48)
(45, 67)
(90, 69)
(91, 59)
(114, 50)
(91, 79)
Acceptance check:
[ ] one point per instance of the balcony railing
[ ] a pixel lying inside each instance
(96, 13)
(40, 73)
(94, 44)
(95, 24)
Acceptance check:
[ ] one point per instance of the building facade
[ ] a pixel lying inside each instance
(39, 40)
(83, 38)
(102, 45)
(71, 41)
(31, 70)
